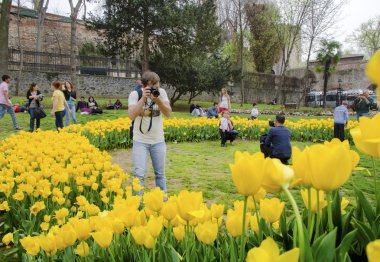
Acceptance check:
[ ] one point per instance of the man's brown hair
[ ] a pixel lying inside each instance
(149, 76)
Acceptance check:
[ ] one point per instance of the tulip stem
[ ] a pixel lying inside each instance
(374, 173)
(318, 216)
(258, 220)
(329, 211)
(242, 244)
(301, 235)
(309, 213)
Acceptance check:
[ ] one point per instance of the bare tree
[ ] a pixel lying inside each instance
(73, 39)
(41, 8)
(321, 17)
(4, 34)
(367, 36)
(21, 67)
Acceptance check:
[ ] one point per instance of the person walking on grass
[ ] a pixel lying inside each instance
(5, 101)
(145, 108)
(59, 104)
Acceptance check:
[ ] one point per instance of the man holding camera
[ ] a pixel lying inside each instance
(146, 107)
(277, 142)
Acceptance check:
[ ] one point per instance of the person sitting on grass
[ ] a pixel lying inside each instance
(254, 112)
(83, 106)
(213, 111)
(196, 110)
(110, 105)
(95, 109)
(118, 104)
(226, 129)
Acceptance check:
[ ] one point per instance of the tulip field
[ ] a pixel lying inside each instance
(62, 199)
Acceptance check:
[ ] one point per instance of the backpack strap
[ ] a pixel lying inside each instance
(139, 93)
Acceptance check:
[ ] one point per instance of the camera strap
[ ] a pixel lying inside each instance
(150, 106)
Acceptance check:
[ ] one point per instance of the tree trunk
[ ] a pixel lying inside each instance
(145, 65)
(73, 49)
(306, 76)
(326, 76)
(18, 80)
(241, 56)
(40, 25)
(4, 31)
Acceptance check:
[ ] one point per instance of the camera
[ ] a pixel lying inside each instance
(41, 96)
(154, 91)
(271, 123)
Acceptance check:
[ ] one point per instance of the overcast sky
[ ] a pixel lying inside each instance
(353, 14)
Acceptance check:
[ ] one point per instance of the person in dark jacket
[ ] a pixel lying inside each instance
(82, 104)
(34, 99)
(362, 104)
(278, 141)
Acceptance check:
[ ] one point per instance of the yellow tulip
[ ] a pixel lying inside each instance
(117, 226)
(373, 68)
(169, 210)
(276, 175)
(179, 232)
(154, 199)
(48, 244)
(139, 234)
(373, 251)
(217, 210)
(269, 251)
(82, 229)
(189, 205)
(343, 205)
(234, 222)
(103, 238)
(37, 207)
(271, 209)
(207, 232)
(254, 224)
(7, 238)
(31, 245)
(68, 234)
(61, 214)
(82, 249)
(313, 203)
(301, 167)
(154, 226)
(321, 159)
(44, 226)
(366, 136)
(247, 172)
(149, 241)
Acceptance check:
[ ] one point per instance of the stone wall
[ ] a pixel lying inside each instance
(258, 87)
(56, 37)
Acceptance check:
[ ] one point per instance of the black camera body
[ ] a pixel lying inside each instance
(154, 91)
(271, 123)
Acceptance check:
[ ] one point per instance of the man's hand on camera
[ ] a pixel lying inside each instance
(146, 93)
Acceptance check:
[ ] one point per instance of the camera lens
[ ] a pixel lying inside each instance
(155, 93)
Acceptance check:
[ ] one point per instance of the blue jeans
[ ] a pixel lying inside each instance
(140, 153)
(9, 110)
(358, 115)
(67, 114)
(59, 119)
(32, 110)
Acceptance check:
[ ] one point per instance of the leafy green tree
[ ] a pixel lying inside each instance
(367, 36)
(265, 48)
(328, 57)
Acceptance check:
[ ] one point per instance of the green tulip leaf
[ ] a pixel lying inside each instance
(365, 234)
(367, 208)
(325, 251)
(345, 245)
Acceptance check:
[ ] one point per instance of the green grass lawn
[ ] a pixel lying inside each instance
(204, 166)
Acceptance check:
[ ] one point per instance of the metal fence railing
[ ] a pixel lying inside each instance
(53, 62)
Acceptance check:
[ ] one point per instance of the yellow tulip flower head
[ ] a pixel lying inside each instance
(82, 228)
(169, 210)
(207, 232)
(247, 172)
(31, 245)
(234, 222)
(189, 205)
(313, 203)
(271, 209)
(68, 234)
(217, 210)
(373, 68)
(366, 136)
(373, 251)
(179, 232)
(154, 199)
(154, 226)
(82, 249)
(320, 160)
(301, 172)
(7, 238)
(103, 238)
(269, 251)
(48, 244)
(343, 205)
(276, 175)
(254, 224)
